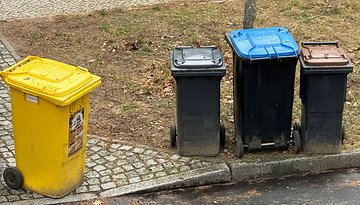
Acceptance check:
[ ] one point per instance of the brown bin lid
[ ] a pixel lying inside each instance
(323, 55)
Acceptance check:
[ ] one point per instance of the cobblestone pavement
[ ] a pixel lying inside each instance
(39, 8)
(108, 165)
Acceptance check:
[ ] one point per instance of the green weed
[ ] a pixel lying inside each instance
(156, 8)
(295, 2)
(63, 34)
(103, 12)
(335, 10)
(106, 27)
(36, 35)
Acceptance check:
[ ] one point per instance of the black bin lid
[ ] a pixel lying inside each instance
(202, 61)
(203, 57)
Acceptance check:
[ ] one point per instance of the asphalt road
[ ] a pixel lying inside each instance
(340, 187)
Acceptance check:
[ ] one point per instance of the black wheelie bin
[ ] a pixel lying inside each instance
(323, 79)
(264, 64)
(197, 72)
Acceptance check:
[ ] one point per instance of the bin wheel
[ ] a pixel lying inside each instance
(342, 133)
(297, 141)
(173, 135)
(13, 177)
(222, 134)
(239, 147)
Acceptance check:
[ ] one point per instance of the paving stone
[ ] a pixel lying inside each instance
(94, 157)
(138, 150)
(131, 174)
(127, 167)
(175, 157)
(100, 161)
(119, 176)
(133, 159)
(105, 172)
(81, 189)
(156, 168)
(115, 146)
(147, 177)
(96, 148)
(108, 185)
(150, 153)
(92, 174)
(93, 181)
(118, 170)
(184, 168)
(110, 158)
(3, 199)
(13, 198)
(121, 162)
(129, 154)
(138, 165)
(121, 182)
(105, 179)
(134, 180)
(160, 174)
(99, 168)
(90, 163)
(151, 162)
(94, 188)
(92, 141)
(103, 153)
(26, 196)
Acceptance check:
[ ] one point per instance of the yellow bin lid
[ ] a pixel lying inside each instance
(56, 82)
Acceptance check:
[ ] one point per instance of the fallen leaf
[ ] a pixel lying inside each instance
(98, 202)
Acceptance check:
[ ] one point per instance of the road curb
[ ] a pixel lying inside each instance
(9, 48)
(66, 199)
(218, 173)
(315, 164)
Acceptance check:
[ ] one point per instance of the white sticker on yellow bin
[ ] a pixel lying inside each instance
(76, 132)
(31, 98)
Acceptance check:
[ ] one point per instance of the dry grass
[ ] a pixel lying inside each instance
(130, 50)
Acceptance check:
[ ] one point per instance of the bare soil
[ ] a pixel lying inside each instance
(130, 50)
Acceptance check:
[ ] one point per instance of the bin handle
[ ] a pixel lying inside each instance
(83, 69)
(305, 44)
(12, 68)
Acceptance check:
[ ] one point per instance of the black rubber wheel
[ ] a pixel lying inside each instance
(173, 135)
(342, 133)
(297, 141)
(239, 147)
(222, 134)
(13, 178)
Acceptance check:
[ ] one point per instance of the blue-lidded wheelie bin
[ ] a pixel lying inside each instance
(264, 64)
(197, 72)
(323, 79)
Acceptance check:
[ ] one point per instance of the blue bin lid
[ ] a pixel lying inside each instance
(264, 43)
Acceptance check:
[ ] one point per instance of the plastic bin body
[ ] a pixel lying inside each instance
(323, 79)
(50, 129)
(264, 64)
(198, 99)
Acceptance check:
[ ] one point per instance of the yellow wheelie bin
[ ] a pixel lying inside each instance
(49, 103)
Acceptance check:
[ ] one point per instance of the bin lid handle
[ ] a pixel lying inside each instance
(306, 44)
(12, 68)
(277, 54)
(83, 69)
